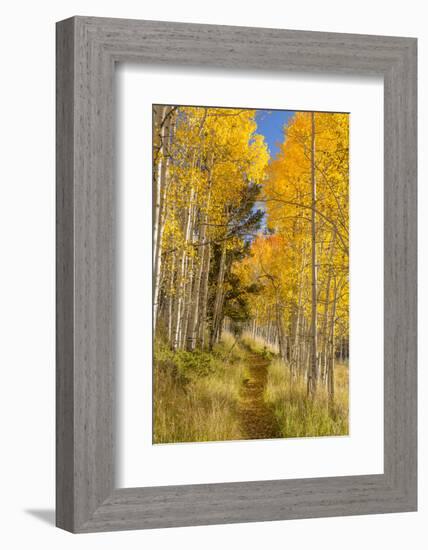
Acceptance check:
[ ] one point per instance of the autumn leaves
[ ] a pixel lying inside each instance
(208, 167)
(222, 261)
(302, 263)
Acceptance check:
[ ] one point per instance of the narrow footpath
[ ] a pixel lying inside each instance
(257, 420)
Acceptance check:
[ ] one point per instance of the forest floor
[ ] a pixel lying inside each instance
(257, 420)
(241, 390)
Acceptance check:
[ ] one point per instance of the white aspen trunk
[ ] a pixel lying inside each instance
(192, 331)
(280, 329)
(313, 371)
(267, 329)
(220, 329)
(188, 287)
(296, 343)
(324, 332)
(181, 277)
(332, 359)
(218, 298)
(161, 206)
(186, 307)
(194, 296)
(158, 116)
(303, 348)
(158, 175)
(170, 299)
(294, 351)
(204, 296)
(308, 348)
(325, 329)
(199, 319)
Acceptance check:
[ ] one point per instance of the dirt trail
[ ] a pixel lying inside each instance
(257, 420)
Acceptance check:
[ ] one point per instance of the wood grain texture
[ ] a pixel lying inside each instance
(64, 276)
(87, 50)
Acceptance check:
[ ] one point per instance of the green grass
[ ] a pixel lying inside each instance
(259, 345)
(196, 393)
(300, 417)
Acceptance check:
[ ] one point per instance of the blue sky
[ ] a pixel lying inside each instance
(270, 124)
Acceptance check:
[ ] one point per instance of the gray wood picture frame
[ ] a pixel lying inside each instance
(87, 50)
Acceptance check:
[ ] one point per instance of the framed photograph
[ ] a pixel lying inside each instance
(236, 274)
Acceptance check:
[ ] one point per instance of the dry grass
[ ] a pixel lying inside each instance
(299, 417)
(196, 395)
(258, 344)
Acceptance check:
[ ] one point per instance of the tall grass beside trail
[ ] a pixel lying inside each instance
(299, 416)
(258, 344)
(196, 393)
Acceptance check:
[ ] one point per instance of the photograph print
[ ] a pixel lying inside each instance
(250, 274)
